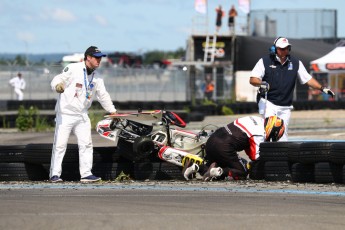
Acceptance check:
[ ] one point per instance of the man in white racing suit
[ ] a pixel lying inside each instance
(246, 133)
(18, 83)
(77, 85)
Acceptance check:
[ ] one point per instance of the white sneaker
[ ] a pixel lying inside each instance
(189, 169)
(213, 172)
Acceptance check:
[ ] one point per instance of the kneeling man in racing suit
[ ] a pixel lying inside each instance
(222, 159)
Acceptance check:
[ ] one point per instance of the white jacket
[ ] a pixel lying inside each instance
(17, 83)
(253, 126)
(74, 99)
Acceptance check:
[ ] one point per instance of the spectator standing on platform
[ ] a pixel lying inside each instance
(231, 22)
(220, 14)
(276, 74)
(18, 83)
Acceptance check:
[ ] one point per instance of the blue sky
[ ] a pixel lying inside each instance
(67, 26)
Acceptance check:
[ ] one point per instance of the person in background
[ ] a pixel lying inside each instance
(276, 74)
(18, 83)
(209, 87)
(78, 85)
(231, 22)
(222, 159)
(220, 14)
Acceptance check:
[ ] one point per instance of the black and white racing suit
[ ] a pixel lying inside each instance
(243, 134)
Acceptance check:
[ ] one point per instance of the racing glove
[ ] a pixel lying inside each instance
(60, 88)
(327, 91)
(264, 87)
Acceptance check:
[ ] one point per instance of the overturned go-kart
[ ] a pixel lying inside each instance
(143, 134)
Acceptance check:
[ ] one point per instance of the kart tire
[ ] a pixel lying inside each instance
(143, 147)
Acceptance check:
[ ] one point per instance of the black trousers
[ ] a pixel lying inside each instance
(222, 148)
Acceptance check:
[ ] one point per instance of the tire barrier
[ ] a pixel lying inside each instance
(12, 154)
(277, 171)
(326, 172)
(302, 173)
(157, 171)
(313, 152)
(301, 162)
(32, 162)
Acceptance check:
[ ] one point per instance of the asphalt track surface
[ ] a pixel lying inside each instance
(179, 204)
(171, 205)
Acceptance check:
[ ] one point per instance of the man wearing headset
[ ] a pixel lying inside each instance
(276, 74)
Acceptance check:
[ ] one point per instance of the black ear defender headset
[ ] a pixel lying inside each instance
(273, 48)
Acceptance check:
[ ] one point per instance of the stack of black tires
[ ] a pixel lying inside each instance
(32, 163)
(318, 162)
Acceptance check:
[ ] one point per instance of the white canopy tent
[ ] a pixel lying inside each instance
(333, 66)
(333, 61)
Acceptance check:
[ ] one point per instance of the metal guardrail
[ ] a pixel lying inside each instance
(123, 84)
(166, 85)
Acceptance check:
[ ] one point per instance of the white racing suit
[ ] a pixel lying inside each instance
(19, 85)
(72, 115)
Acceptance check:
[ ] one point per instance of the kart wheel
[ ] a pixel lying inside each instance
(143, 146)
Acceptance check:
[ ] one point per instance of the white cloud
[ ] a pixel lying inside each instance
(62, 15)
(101, 20)
(26, 36)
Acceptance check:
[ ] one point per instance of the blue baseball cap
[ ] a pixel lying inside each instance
(94, 52)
